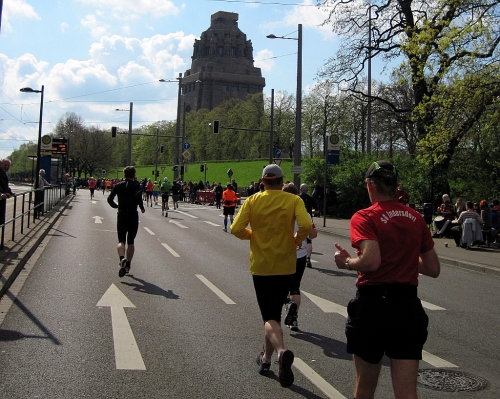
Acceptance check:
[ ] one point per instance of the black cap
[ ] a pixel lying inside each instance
(381, 169)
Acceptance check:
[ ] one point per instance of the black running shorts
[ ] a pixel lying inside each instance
(228, 210)
(271, 292)
(127, 227)
(394, 326)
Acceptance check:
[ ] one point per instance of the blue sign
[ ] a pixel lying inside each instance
(186, 145)
(277, 153)
(333, 157)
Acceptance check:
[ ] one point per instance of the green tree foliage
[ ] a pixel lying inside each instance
(448, 51)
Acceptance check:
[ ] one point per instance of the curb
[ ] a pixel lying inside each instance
(448, 261)
(30, 243)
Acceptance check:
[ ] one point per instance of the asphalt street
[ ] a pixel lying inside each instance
(185, 324)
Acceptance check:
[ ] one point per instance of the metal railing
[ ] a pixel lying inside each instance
(22, 206)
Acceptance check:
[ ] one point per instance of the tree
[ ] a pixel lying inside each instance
(445, 48)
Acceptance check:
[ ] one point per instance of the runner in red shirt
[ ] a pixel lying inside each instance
(393, 245)
(92, 184)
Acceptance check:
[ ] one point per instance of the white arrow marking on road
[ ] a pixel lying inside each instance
(149, 231)
(435, 361)
(331, 307)
(317, 380)
(218, 292)
(327, 306)
(211, 223)
(98, 219)
(187, 214)
(170, 250)
(178, 224)
(430, 306)
(127, 355)
(94, 202)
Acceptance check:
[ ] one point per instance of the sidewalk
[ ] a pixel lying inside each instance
(481, 259)
(18, 251)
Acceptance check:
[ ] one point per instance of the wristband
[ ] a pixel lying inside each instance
(347, 263)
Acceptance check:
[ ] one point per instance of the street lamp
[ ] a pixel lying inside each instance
(178, 124)
(39, 146)
(297, 151)
(129, 143)
(32, 157)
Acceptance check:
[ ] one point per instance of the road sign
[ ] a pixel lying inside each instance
(186, 145)
(186, 154)
(333, 158)
(277, 161)
(46, 143)
(277, 153)
(334, 142)
(296, 170)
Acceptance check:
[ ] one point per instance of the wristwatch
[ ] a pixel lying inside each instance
(347, 263)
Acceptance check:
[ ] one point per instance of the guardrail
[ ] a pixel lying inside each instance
(22, 205)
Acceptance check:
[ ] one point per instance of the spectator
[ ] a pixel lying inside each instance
(459, 206)
(5, 191)
(469, 213)
(318, 195)
(402, 195)
(446, 214)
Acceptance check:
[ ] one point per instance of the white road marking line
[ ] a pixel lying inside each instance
(331, 307)
(170, 250)
(218, 292)
(179, 224)
(211, 223)
(317, 380)
(436, 361)
(187, 214)
(127, 354)
(327, 306)
(430, 306)
(149, 231)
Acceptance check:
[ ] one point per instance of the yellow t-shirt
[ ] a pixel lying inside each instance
(272, 215)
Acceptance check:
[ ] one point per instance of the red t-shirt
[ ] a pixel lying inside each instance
(92, 183)
(402, 235)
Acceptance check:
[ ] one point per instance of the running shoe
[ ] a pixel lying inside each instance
(122, 271)
(295, 325)
(309, 264)
(263, 367)
(162, 213)
(285, 374)
(291, 313)
(127, 266)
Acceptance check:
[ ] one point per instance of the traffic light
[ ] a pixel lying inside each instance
(229, 172)
(202, 167)
(162, 148)
(216, 127)
(175, 168)
(113, 131)
(157, 173)
(153, 172)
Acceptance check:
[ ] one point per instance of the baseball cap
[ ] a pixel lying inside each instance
(272, 171)
(380, 169)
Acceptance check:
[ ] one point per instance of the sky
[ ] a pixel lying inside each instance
(96, 56)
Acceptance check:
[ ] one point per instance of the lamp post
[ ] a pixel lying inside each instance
(129, 142)
(297, 151)
(178, 123)
(39, 145)
(32, 157)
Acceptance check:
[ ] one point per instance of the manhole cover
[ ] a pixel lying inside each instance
(449, 381)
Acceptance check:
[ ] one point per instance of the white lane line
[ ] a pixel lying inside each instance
(179, 224)
(187, 214)
(218, 292)
(127, 354)
(327, 306)
(332, 307)
(430, 306)
(211, 223)
(317, 380)
(436, 361)
(170, 250)
(149, 231)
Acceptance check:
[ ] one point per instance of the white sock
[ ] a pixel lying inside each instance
(265, 359)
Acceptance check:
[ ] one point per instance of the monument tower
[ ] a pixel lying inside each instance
(222, 66)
